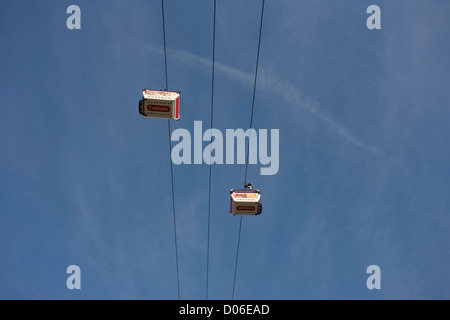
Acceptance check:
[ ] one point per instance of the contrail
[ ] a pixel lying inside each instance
(269, 81)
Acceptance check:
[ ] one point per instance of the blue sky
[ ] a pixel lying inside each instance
(364, 160)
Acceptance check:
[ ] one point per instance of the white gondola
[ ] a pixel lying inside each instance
(245, 202)
(160, 104)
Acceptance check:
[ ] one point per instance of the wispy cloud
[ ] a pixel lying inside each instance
(270, 82)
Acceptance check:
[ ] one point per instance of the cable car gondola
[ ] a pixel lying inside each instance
(245, 201)
(160, 104)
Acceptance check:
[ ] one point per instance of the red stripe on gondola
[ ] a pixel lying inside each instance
(177, 110)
